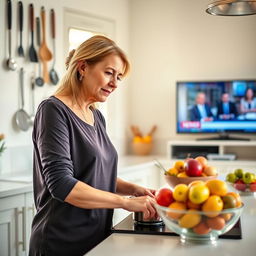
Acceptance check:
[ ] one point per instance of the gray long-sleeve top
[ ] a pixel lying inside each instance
(66, 149)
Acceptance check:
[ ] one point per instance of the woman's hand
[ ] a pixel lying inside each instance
(130, 189)
(143, 204)
(141, 191)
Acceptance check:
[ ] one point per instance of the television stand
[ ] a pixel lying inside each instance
(244, 150)
(224, 137)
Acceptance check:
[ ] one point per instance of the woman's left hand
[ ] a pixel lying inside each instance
(141, 191)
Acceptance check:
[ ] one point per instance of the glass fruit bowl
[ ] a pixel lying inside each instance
(243, 188)
(199, 226)
(174, 180)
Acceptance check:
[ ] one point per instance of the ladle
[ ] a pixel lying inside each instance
(160, 166)
(11, 63)
(44, 52)
(21, 116)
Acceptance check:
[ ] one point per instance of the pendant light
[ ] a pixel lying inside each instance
(232, 7)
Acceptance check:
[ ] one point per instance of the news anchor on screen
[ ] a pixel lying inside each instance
(226, 109)
(201, 111)
(248, 102)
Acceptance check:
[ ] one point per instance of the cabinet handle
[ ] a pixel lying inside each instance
(32, 208)
(23, 214)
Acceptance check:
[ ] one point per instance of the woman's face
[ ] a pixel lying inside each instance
(101, 79)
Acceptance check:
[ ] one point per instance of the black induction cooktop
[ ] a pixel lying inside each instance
(128, 225)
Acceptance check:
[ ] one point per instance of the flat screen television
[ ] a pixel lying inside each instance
(216, 107)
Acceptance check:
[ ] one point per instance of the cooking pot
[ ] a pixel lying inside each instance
(139, 219)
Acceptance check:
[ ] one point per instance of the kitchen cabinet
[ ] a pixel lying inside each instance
(16, 213)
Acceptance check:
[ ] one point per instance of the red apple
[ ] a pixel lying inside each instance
(187, 159)
(164, 197)
(193, 168)
(240, 185)
(253, 186)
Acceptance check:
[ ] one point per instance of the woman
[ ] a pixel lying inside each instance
(248, 103)
(75, 164)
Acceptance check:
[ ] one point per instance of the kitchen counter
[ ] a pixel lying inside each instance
(9, 188)
(22, 182)
(151, 245)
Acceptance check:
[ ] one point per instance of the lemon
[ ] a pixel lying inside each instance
(190, 219)
(182, 175)
(180, 193)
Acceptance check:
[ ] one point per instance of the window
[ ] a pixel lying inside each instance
(80, 26)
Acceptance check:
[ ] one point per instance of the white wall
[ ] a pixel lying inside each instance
(18, 156)
(176, 40)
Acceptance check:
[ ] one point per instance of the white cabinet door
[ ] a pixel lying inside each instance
(30, 212)
(12, 229)
(7, 233)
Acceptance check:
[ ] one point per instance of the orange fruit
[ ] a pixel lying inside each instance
(176, 206)
(226, 216)
(191, 205)
(147, 139)
(237, 197)
(202, 228)
(210, 170)
(212, 206)
(190, 219)
(217, 187)
(217, 223)
(202, 160)
(195, 182)
(172, 171)
(137, 139)
(179, 165)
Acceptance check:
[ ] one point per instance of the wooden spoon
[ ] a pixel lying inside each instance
(44, 53)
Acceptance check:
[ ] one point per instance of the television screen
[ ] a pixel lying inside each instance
(216, 106)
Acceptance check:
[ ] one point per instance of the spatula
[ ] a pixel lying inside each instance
(20, 48)
(44, 53)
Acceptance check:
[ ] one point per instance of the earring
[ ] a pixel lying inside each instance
(81, 78)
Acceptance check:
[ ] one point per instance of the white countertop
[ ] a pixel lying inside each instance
(151, 245)
(9, 188)
(22, 182)
(18, 183)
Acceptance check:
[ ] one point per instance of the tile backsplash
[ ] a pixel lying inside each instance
(16, 160)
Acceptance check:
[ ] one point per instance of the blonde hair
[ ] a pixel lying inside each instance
(93, 50)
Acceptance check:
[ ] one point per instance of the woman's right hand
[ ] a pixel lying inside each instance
(143, 204)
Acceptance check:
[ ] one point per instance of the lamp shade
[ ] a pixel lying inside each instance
(232, 7)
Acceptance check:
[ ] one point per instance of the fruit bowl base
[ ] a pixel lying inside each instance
(193, 240)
